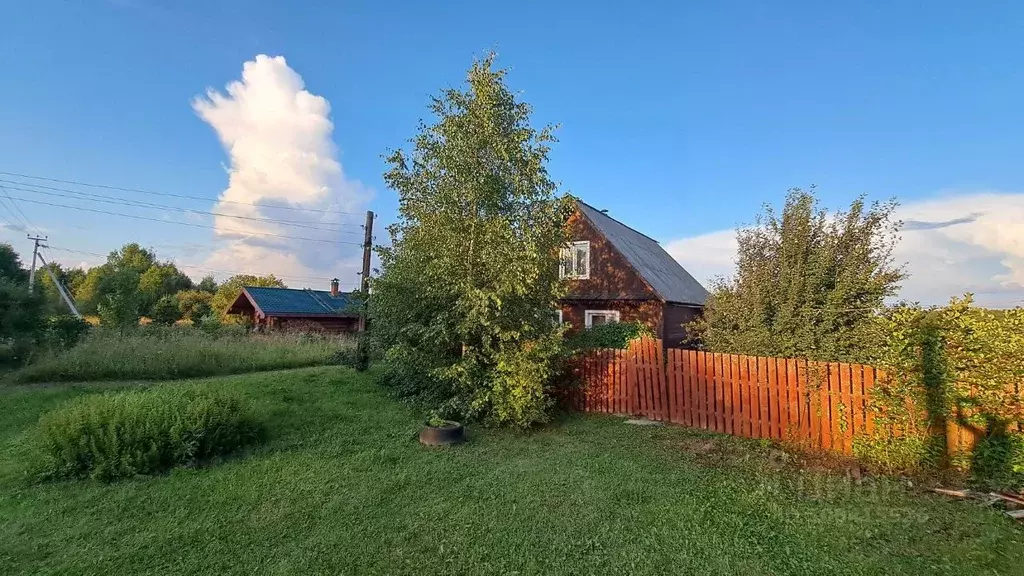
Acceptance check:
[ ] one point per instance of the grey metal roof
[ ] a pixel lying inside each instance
(660, 270)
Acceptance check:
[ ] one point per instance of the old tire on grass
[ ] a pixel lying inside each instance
(444, 435)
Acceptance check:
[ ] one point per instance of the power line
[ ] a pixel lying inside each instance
(190, 224)
(8, 220)
(16, 207)
(185, 196)
(193, 266)
(126, 202)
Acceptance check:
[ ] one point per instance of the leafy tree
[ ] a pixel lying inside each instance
(10, 264)
(166, 311)
(159, 280)
(232, 287)
(190, 300)
(71, 278)
(133, 257)
(200, 312)
(807, 284)
(207, 284)
(20, 320)
(464, 300)
(121, 306)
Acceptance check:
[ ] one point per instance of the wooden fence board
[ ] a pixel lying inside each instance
(816, 404)
(734, 393)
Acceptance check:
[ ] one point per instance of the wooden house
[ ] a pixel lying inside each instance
(617, 274)
(285, 308)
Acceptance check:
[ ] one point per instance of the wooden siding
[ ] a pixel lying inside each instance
(611, 276)
(674, 318)
(649, 312)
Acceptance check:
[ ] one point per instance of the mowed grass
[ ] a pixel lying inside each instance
(155, 353)
(342, 487)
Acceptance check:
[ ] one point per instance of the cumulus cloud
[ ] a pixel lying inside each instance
(951, 244)
(279, 141)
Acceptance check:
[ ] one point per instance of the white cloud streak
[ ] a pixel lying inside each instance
(279, 141)
(951, 244)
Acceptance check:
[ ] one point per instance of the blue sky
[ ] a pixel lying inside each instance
(680, 118)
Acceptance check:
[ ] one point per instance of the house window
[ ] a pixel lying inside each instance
(576, 260)
(558, 316)
(596, 317)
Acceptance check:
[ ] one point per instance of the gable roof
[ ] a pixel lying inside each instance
(666, 277)
(288, 301)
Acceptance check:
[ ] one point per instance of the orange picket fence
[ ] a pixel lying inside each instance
(815, 404)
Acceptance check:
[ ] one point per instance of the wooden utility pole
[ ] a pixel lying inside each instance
(35, 252)
(364, 283)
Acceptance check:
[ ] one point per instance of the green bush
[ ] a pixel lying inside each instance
(124, 434)
(63, 331)
(163, 352)
(612, 335)
(166, 311)
(519, 396)
(999, 460)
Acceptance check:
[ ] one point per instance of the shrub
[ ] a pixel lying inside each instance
(612, 335)
(166, 311)
(124, 434)
(63, 331)
(519, 395)
(999, 460)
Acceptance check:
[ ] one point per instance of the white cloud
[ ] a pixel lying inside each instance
(951, 244)
(278, 138)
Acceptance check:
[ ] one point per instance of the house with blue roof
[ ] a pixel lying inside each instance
(285, 308)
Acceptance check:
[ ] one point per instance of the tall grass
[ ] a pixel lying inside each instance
(157, 352)
(124, 434)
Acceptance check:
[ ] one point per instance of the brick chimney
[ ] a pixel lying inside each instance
(334, 288)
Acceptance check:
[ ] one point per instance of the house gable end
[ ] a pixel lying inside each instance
(611, 276)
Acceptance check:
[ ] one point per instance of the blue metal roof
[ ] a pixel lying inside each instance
(273, 301)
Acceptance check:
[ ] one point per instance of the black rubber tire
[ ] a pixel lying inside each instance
(445, 435)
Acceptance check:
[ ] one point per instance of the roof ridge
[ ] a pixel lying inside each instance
(620, 222)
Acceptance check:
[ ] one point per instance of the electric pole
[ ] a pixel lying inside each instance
(35, 252)
(364, 282)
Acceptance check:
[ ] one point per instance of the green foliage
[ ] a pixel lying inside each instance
(958, 364)
(520, 393)
(998, 459)
(21, 316)
(10, 264)
(71, 278)
(471, 274)
(610, 335)
(121, 306)
(194, 304)
(124, 434)
(63, 331)
(807, 284)
(166, 311)
(232, 287)
(207, 284)
(159, 281)
(156, 352)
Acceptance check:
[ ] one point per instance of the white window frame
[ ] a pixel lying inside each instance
(571, 248)
(558, 312)
(588, 316)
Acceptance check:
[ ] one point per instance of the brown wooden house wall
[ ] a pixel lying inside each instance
(611, 275)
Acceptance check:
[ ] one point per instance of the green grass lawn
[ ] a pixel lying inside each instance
(342, 487)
